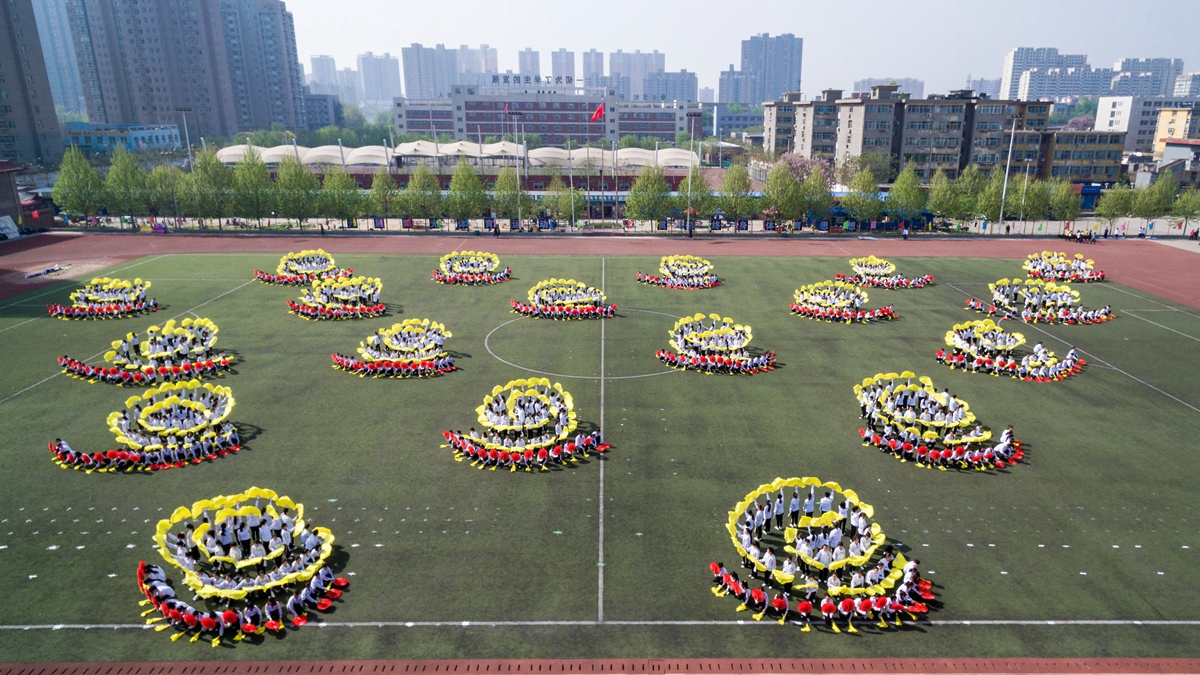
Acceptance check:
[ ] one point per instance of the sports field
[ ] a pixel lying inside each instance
(1081, 550)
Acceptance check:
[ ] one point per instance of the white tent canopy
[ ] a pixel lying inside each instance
(378, 155)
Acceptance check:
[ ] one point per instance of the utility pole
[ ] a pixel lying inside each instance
(186, 138)
(1007, 166)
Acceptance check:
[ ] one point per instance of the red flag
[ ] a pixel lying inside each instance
(505, 107)
(599, 114)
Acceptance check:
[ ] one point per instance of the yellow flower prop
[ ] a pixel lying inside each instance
(983, 346)
(871, 266)
(106, 298)
(470, 268)
(987, 334)
(301, 267)
(945, 422)
(831, 295)
(174, 409)
(277, 569)
(572, 294)
(503, 401)
(170, 352)
(718, 347)
(340, 298)
(862, 562)
(1058, 266)
(686, 272)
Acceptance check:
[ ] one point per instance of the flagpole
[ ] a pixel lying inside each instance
(571, 181)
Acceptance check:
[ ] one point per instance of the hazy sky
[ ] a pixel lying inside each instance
(939, 41)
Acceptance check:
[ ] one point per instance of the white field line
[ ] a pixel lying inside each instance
(190, 311)
(1148, 299)
(1150, 623)
(1131, 313)
(599, 460)
(1099, 360)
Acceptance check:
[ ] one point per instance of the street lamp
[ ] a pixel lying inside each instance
(186, 138)
(1024, 190)
(1008, 165)
(690, 115)
(514, 114)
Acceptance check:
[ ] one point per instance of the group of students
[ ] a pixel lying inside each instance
(147, 375)
(967, 452)
(490, 455)
(103, 310)
(301, 279)
(1058, 267)
(910, 597)
(982, 347)
(229, 622)
(839, 315)
(172, 411)
(719, 364)
(323, 313)
(1041, 309)
(565, 312)
(893, 282)
(836, 301)
(175, 453)
(686, 282)
(438, 365)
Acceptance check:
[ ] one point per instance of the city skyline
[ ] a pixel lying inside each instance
(1099, 29)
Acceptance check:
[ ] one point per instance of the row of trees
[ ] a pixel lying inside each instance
(215, 191)
(1156, 200)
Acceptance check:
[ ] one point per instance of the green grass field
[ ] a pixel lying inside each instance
(1100, 523)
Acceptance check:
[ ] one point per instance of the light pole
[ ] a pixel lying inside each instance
(514, 114)
(186, 138)
(691, 146)
(1024, 190)
(1008, 165)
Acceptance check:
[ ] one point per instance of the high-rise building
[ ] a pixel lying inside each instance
(779, 123)
(380, 79)
(707, 95)
(777, 61)
(636, 66)
(1137, 116)
(1022, 59)
(908, 85)
(429, 72)
(1146, 77)
(739, 86)
(472, 61)
(985, 87)
(529, 63)
(562, 64)
(324, 76)
(232, 64)
(349, 87)
(1175, 124)
(671, 86)
(1187, 84)
(1053, 84)
(29, 131)
(58, 51)
(593, 64)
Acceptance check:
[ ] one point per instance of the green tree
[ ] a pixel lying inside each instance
(385, 196)
(296, 190)
(1065, 203)
(467, 198)
(564, 203)
(862, 199)
(735, 199)
(906, 200)
(943, 197)
(629, 141)
(818, 200)
(783, 194)
(1034, 201)
(508, 200)
(353, 117)
(340, 197)
(649, 196)
(701, 196)
(969, 185)
(988, 204)
(254, 194)
(209, 191)
(125, 185)
(1154, 200)
(423, 196)
(164, 187)
(1187, 207)
(1114, 204)
(683, 139)
(881, 164)
(79, 189)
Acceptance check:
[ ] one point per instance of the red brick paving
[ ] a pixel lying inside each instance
(635, 666)
(1162, 270)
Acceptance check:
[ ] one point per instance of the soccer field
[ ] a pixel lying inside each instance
(1081, 550)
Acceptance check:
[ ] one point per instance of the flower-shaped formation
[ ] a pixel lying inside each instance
(1034, 300)
(720, 346)
(248, 559)
(564, 299)
(915, 422)
(340, 298)
(839, 301)
(1057, 266)
(682, 271)
(169, 353)
(471, 268)
(105, 298)
(411, 348)
(879, 273)
(302, 268)
(169, 426)
(525, 424)
(984, 347)
(830, 547)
